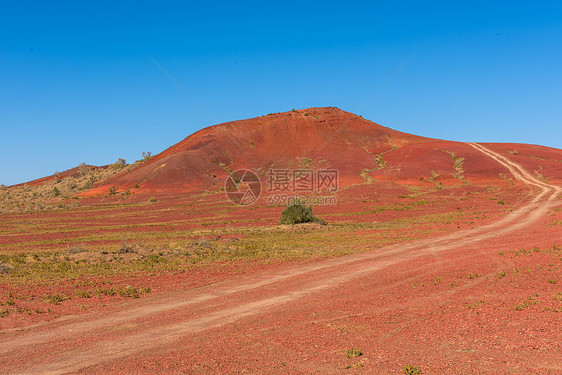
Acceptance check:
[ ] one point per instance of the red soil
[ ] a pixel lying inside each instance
(466, 302)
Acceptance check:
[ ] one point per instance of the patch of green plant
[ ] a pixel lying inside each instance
(128, 291)
(55, 299)
(299, 214)
(525, 304)
(83, 293)
(411, 370)
(353, 353)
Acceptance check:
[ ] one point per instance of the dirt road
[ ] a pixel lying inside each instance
(156, 323)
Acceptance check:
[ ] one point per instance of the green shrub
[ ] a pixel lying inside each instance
(411, 370)
(128, 291)
(84, 169)
(353, 353)
(297, 214)
(55, 299)
(4, 268)
(83, 293)
(119, 164)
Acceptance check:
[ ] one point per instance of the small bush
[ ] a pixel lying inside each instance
(353, 353)
(129, 291)
(298, 214)
(88, 184)
(105, 292)
(119, 164)
(55, 299)
(83, 294)
(76, 249)
(4, 268)
(411, 370)
(84, 169)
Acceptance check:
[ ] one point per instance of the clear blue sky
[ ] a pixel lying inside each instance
(77, 84)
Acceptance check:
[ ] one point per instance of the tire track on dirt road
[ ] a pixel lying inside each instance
(227, 302)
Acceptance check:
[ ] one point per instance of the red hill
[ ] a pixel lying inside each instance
(361, 150)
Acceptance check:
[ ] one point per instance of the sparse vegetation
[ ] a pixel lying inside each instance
(83, 293)
(525, 304)
(510, 180)
(457, 166)
(4, 269)
(540, 176)
(55, 192)
(128, 291)
(365, 175)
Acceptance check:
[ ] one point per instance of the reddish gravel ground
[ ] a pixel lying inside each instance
(483, 298)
